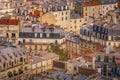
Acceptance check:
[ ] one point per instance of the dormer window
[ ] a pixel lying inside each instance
(66, 7)
(25, 13)
(4, 57)
(32, 18)
(41, 35)
(35, 35)
(35, 19)
(48, 34)
(9, 56)
(61, 7)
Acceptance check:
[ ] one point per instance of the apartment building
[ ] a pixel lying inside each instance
(108, 5)
(43, 61)
(9, 28)
(40, 37)
(61, 12)
(87, 9)
(108, 66)
(76, 46)
(14, 62)
(103, 32)
(48, 19)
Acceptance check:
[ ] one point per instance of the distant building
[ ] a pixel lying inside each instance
(103, 31)
(74, 64)
(87, 8)
(108, 66)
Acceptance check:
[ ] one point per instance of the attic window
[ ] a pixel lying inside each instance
(9, 56)
(14, 54)
(4, 57)
(20, 54)
(35, 35)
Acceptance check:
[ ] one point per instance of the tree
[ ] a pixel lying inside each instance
(63, 55)
(9, 74)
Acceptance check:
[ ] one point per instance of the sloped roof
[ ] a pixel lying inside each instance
(92, 3)
(105, 2)
(9, 22)
(8, 53)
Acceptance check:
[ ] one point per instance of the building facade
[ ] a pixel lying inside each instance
(41, 38)
(103, 31)
(10, 29)
(14, 63)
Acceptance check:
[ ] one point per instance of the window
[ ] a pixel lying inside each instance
(7, 35)
(48, 35)
(56, 42)
(35, 47)
(99, 28)
(66, 18)
(62, 13)
(55, 15)
(4, 64)
(35, 35)
(23, 40)
(75, 68)
(13, 35)
(62, 19)
(41, 35)
(85, 19)
(0, 68)
(107, 8)
(12, 63)
(86, 8)
(75, 21)
(66, 13)
(9, 62)
(85, 14)
(93, 14)
(114, 44)
(15, 61)
(98, 35)
(21, 59)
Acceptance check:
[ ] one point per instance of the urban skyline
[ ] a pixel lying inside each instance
(59, 39)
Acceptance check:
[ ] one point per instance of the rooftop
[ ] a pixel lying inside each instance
(8, 52)
(9, 22)
(41, 56)
(41, 29)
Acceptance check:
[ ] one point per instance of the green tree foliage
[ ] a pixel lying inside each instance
(63, 55)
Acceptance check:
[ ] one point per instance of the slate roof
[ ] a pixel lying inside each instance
(105, 2)
(10, 52)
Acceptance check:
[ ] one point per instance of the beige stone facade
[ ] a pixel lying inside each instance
(48, 18)
(10, 30)
(14, 65)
